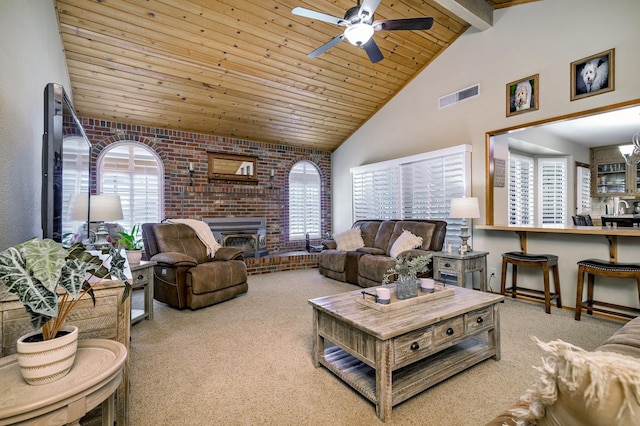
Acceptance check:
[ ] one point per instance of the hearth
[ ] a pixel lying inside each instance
(248, 233)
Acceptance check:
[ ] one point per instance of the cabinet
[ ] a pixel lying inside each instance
(611, 176)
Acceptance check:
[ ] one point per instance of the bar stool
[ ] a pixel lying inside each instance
(604, 268)
(546, 261)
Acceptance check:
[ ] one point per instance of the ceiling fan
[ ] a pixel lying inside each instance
(360, 27)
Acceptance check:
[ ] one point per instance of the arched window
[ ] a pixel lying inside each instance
(135, 172)
(304, 201)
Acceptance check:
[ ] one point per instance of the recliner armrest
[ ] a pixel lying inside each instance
(174, 259)
(329, 244)
(229, 253)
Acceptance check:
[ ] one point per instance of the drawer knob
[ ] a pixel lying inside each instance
(140, 277)
(447, 265)
(449, 331)
(415, 346)
(479, 320)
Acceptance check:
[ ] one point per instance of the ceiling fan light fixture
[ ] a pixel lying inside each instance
(358, 34)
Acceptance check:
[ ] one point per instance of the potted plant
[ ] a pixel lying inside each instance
(132, 243)
(49, 280)
(406, 270)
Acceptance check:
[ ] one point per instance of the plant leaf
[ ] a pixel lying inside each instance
(45, 259)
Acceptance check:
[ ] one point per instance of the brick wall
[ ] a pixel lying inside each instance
(220, 199)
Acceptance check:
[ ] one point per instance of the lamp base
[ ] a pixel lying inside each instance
(101, 241)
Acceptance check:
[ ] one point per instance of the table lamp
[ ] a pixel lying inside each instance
(464, 208)
(104, 208)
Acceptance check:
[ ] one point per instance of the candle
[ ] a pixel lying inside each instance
(427, 285)
(191, 167)
(383, 295)
(272, 173)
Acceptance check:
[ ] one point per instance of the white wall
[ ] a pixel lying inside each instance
(534, 38)
(31, 57)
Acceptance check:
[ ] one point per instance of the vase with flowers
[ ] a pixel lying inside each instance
(49, 280)
(405, 270)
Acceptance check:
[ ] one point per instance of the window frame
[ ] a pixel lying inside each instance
(309, 210)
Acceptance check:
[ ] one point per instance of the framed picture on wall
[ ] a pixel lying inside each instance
(523, 95)
(592, 75)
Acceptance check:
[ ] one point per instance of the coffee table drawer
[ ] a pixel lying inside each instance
(412, 346)
(479, 319)
(448, 330)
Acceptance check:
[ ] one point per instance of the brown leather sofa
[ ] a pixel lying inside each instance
(366, 265)
(185, 276)
(576, 383)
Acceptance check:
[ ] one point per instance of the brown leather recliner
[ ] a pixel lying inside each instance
(185, 276)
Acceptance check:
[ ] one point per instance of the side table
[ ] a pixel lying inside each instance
(93, 380)
(460, 265)
(143, 277)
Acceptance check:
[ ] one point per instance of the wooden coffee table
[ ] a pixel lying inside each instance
(391, 356)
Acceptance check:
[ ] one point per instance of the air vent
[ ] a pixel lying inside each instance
(454, 98)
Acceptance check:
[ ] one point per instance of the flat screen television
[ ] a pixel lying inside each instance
(66, 161)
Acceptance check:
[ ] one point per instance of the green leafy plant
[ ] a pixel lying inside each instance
(50, 279)
(130, 240)
(408, 267)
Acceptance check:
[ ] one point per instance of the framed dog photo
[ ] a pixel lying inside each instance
(522, 95)
(593, 75)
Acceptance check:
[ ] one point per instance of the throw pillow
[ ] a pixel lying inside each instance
(406, 241)
(349, 240)
(582, 388)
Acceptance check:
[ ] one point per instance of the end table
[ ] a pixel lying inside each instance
(460, 265)
(143, 277)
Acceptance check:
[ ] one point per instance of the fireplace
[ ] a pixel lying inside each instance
(247, 233)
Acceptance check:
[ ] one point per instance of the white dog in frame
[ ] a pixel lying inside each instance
(522, 97)
(595, 74)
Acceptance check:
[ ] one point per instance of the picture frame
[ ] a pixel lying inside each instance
(593, 75)
(523, 95)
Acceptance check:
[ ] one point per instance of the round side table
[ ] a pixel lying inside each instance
(93, 380)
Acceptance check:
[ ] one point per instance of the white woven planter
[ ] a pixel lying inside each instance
(49, 360)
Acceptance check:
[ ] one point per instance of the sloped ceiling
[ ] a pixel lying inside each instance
(239, 68)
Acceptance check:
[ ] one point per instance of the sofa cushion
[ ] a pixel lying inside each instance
(582, 387)
(406, 241)
(349, 240)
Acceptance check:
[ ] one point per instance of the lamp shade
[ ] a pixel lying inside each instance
(105, 207)
(464, 208)
(78, 207)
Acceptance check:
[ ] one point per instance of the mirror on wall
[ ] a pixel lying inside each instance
(231, 167)
(569, 137)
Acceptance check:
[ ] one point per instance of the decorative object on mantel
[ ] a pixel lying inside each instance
(406, 270)
(631, 153)
(132, 243)
(464, 208)
(49, 280)
(440, 291)
(233, 168)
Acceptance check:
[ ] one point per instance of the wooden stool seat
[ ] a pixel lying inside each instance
(604, 268)
(545, 261)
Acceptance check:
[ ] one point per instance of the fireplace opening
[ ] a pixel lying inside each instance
(247, 233)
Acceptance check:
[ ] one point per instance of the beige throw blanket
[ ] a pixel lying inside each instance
(203, 232)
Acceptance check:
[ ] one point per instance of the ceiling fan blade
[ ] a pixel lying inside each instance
(368, 7)
(319, 16)
(328, 45)
(373, 51)
(403, 24)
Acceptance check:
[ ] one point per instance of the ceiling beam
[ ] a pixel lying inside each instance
(478, 13)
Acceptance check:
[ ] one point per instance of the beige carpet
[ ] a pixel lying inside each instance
(247, 361)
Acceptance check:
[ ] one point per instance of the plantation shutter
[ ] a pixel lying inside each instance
(304, 201)
(416, 187)
(521, 182)
(583, 190)
(376, 194)
(552, 174)
(135, 174)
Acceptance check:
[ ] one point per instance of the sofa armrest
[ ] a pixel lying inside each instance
(174, 259)
(229, 253)
(329, 245)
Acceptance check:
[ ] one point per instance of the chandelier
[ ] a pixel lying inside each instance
(631, 153)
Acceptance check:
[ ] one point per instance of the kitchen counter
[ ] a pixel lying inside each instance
(610, 233)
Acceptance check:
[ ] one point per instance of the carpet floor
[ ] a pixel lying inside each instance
(248, 361)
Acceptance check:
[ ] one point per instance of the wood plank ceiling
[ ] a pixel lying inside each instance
(239, 68)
